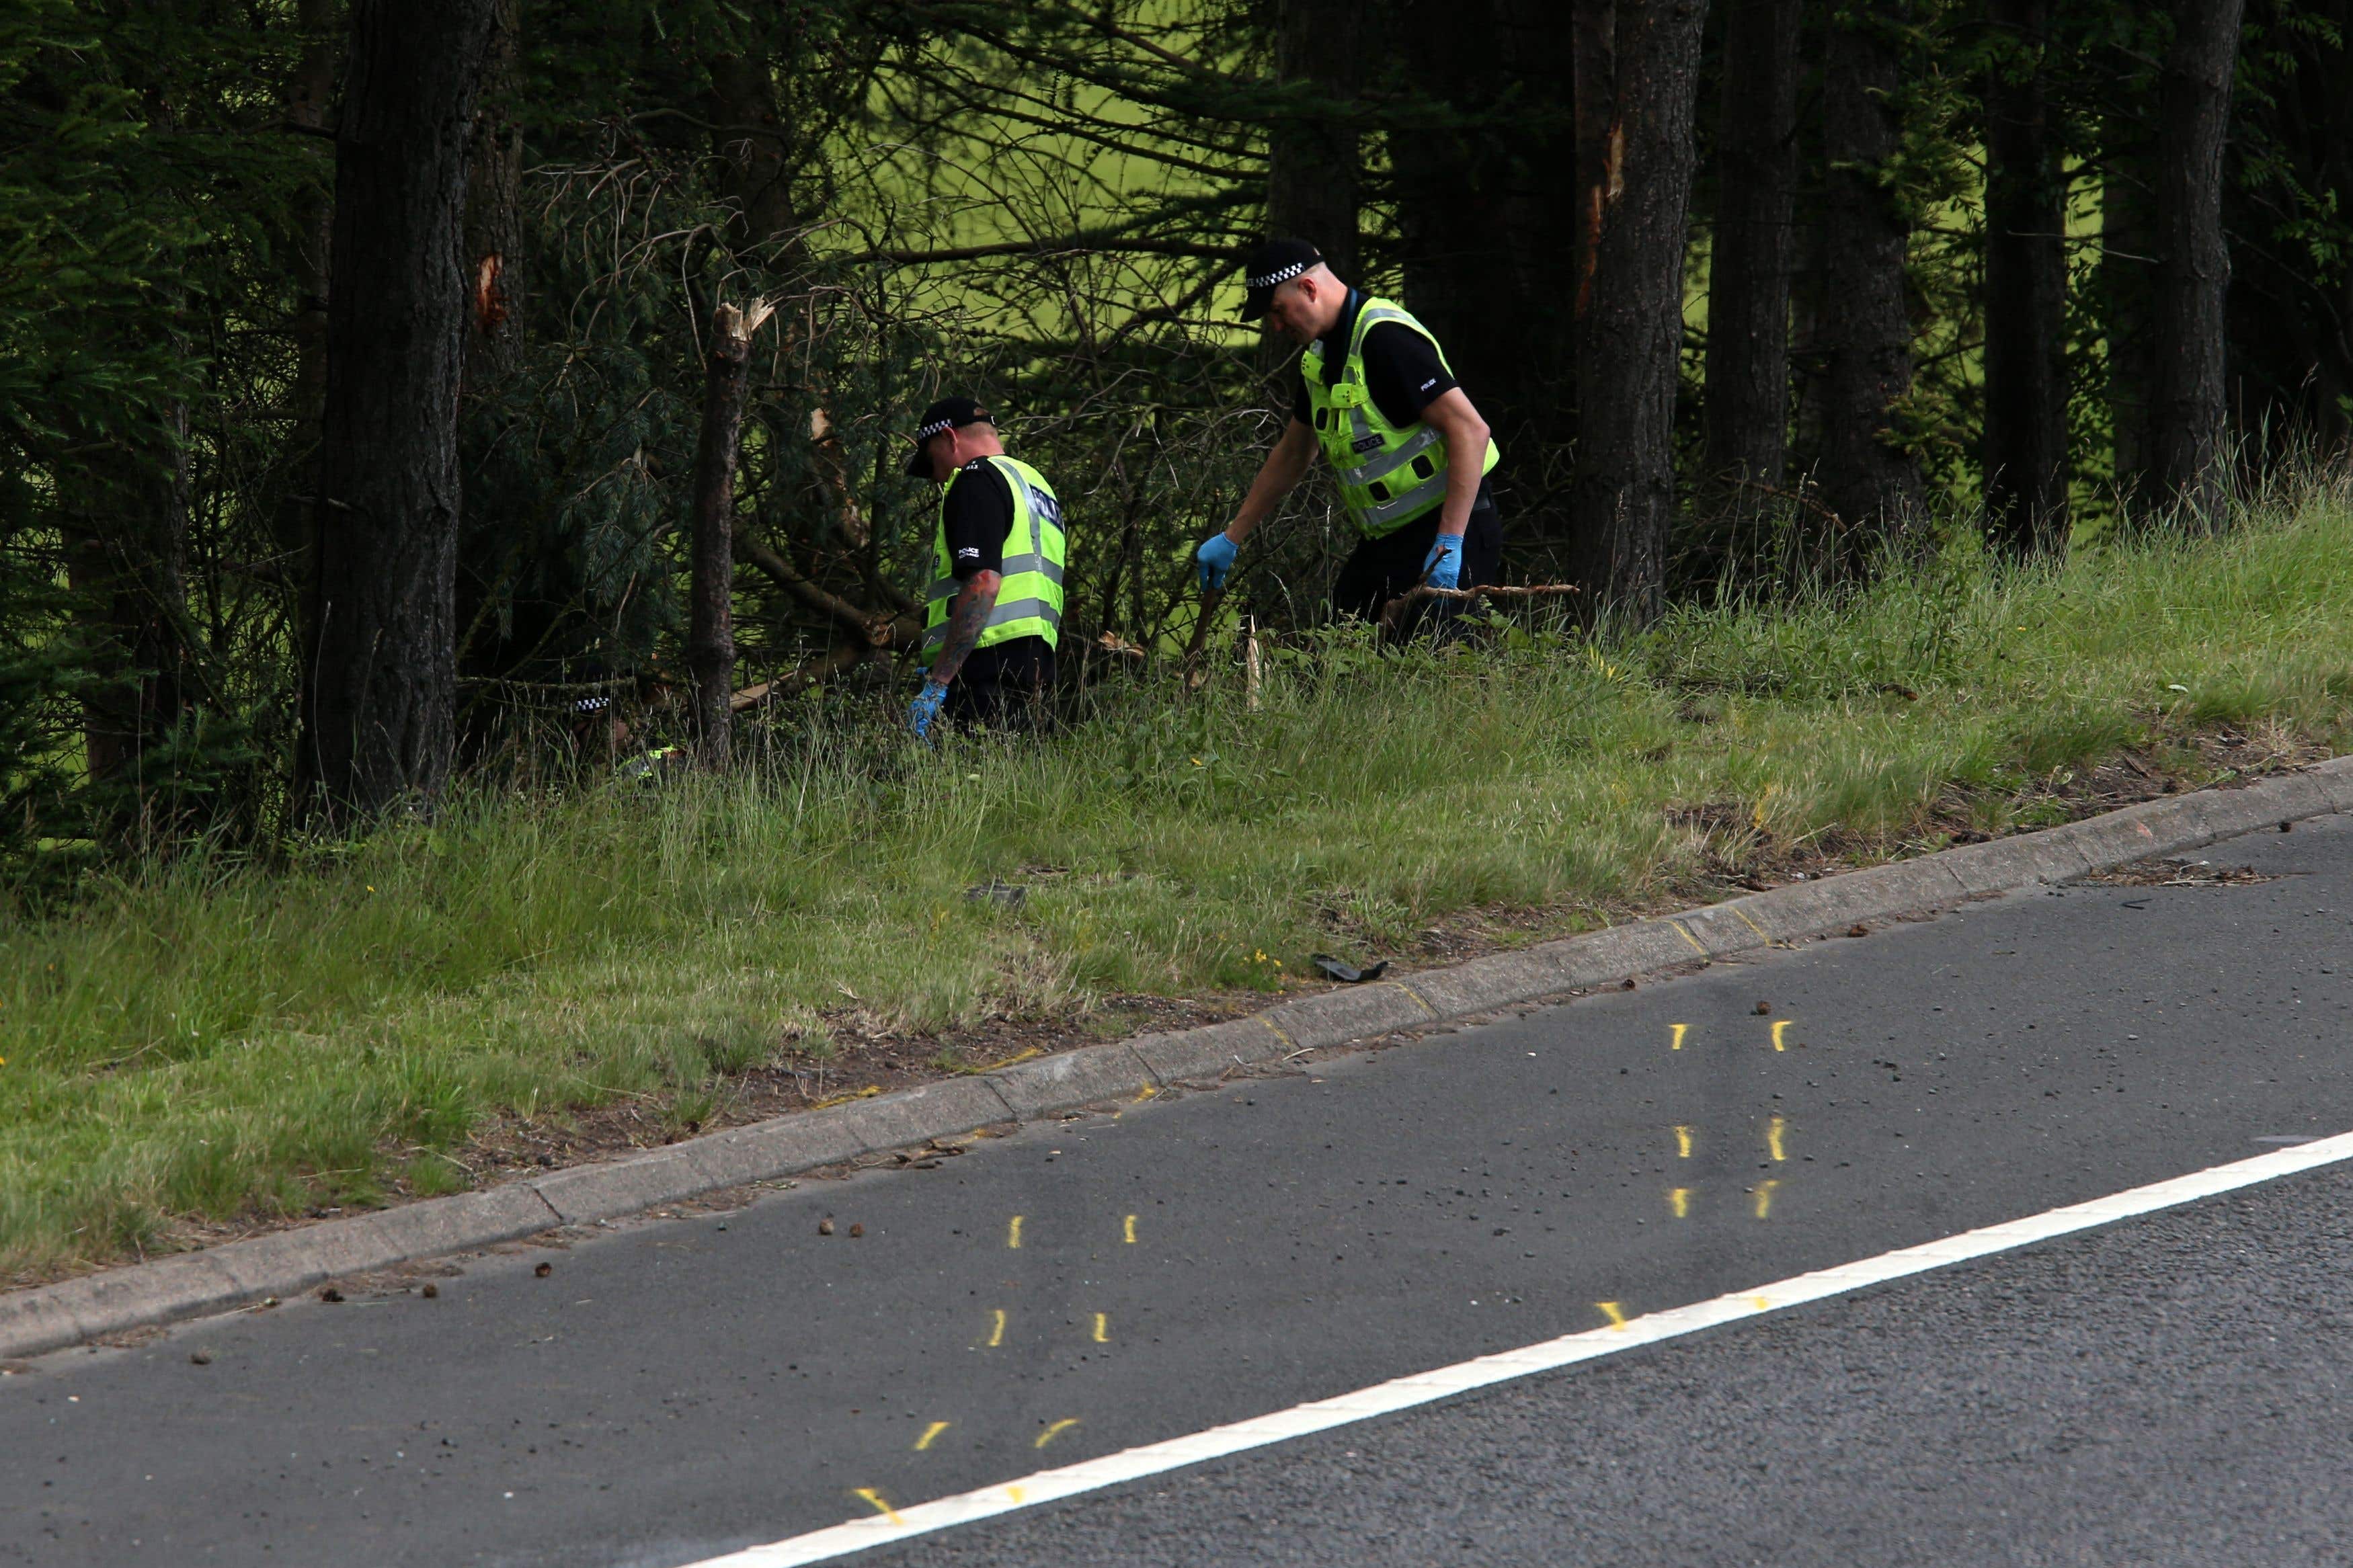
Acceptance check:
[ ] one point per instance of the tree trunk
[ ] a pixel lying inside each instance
(1635, 193)
(309, 92)
(711, 630)
(2025, 293)
(2193, 274)
(379, 724)
(1484, 230)
(2128, 294)
(1749, 280)
(125, 533)
(1868, 478)
(1315, 149)
(749, 137)
(493, 226)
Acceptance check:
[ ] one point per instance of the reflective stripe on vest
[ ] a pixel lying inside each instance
(1366, 451)
(1030, 598)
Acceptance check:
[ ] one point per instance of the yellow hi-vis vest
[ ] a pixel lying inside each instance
(1029, 601)
(1388, 475)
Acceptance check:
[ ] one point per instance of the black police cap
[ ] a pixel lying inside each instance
(1270, 266)
(947, 414)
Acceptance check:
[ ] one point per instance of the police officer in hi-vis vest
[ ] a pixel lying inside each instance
(995, 604)
(1410, 453)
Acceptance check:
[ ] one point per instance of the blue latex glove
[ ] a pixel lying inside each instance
(1217, 558)
(925, 707)
(1443, 567)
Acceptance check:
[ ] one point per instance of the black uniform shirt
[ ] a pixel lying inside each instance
(979, 515)
(1401, 368)
(1402, 373)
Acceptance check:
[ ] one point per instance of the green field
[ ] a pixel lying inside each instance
(209, 1041)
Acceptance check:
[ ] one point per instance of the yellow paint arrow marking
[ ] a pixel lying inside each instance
(1779, 1025)
(1680, 1030)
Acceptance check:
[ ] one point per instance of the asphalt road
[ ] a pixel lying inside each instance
(2159, 1392)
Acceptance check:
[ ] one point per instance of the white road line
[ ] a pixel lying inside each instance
(1423, 1388)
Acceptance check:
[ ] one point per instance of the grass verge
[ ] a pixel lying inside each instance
(203, 1042)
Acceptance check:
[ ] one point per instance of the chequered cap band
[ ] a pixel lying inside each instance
(926, 432)
(1280, 275)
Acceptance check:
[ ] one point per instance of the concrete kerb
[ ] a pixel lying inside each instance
(240, 1273)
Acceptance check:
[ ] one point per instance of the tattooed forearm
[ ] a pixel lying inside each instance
(966, 616)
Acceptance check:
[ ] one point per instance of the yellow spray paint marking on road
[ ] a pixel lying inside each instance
(1056, 1430)
(1697, 946)
(929, 1432)
(1679, 1200)
(1015, 1494)
(1128, 1233)
(1146, 1092)
(1773, 1137)
(1680, 1030)
(1764, 1198)
(1103, 1328)
(1762, 1303)
(1779, 1025)
(997, 1334)
(1752, 925)
(884, 1509)
(1683, 1143)
(1013, 1233)
(1617, 1318)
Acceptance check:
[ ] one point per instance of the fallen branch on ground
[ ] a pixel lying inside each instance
(1393, 612)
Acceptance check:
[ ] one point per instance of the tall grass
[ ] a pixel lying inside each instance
(205, 1039)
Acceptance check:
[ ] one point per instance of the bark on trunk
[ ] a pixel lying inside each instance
(2025, 293)
(1485, 232)
(1629, 316)
(1748, 280)
(1868, 479)
(378, 707)
(2193, 274)
(711, 628)
(125, 539)
(750, 141)
(493, 230)
(2128, 295)
(1314, 173)
(309, 92)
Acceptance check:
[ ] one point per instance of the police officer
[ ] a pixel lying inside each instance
(1410, 453)
(995, 605)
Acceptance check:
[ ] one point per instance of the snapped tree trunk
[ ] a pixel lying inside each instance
(711, 627)
(1634, 192)
(1870, 479)
(378, 695)
(493, 229)
(2193, 274)
(1748, 278)
(2025, 292)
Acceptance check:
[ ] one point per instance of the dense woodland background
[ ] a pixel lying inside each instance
(367, 400)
